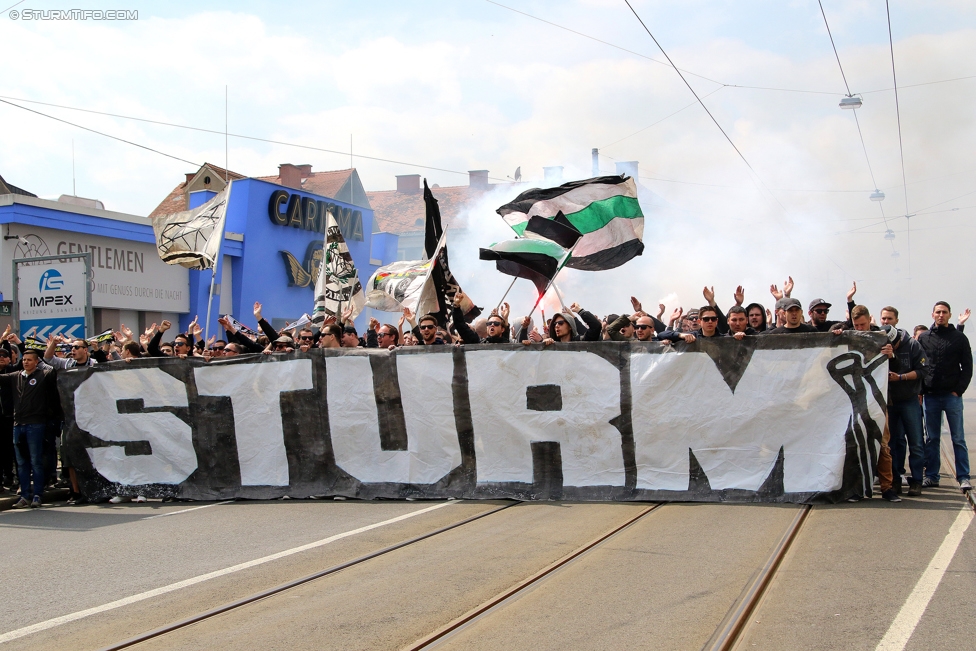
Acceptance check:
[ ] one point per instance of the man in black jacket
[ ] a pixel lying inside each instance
(498, 332)
(906, 372)
(950, 360)
(34, 393)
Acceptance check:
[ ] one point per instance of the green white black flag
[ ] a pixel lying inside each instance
(604, 209)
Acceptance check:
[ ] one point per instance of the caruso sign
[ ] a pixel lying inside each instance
(305, 213)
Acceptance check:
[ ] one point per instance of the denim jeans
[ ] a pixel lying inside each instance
(905, 421)
(29, 448)
(952, 406)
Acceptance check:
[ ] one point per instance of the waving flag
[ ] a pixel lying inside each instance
(192, 238)
(532, 259)
(604, 209)
(337, 286)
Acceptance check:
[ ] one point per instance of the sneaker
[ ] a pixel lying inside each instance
(891, 495)
(928, 482)
(118, 499)
(855, 498)
(140, 499)
(77, 499)
(21, 504)
(914, 489)
(965, 485)
(36, 502)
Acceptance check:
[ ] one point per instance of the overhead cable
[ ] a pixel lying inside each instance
(901, 148)
(101, 133)
(3, 98)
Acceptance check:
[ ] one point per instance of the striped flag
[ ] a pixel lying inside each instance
(604, 209)
(337, 286)
(529, 258)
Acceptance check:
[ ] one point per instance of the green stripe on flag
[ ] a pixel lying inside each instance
(600, 213)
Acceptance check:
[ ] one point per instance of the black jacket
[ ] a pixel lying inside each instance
(783, 330)
(35, 396)
(909, 357)
(950, 360)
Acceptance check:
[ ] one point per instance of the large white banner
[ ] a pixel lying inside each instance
(795, 418)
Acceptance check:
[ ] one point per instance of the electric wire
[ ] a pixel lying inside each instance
(12, 6)
(901, 148)
(755, 176)
(4, 98)
(101, 133)
(857, 122)
(833, 45)
(593, 38)
(658, 122)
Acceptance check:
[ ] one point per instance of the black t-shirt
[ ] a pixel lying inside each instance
(783, 330)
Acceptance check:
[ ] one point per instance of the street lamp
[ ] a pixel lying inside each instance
(850, 102)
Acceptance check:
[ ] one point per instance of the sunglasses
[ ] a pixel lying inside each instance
(558, 323)
(217, 348)
(428, 327)
(180, 343)
(820, 311)
(280, 346)
(709, 318)
(76, 347)
(642, 327)
(307, 338)
(495, 324)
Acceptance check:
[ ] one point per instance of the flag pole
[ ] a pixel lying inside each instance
(499, 306)
(562, 264)
(206, 329)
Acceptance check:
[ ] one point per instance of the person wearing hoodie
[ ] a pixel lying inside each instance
(562, 326)
(756, 314)
(950, 359)
(906, 371)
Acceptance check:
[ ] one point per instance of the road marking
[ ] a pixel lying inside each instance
(149, 594)
(195, 508)
(914, 607)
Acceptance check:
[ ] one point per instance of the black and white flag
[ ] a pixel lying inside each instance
(192, 238)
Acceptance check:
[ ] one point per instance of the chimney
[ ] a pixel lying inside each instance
(478, 179)
(596, 161)
(306, 170)
(189, 177)
(553, 175)
(408, 183)
(290, 176)
(628, 167)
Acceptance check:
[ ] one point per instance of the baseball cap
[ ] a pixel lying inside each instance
(891, 331)
(787, 303)
(818, 301)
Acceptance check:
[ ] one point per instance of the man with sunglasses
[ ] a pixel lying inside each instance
(497, 326)
(708, 323)
(387, 336)
(330, 336)
(79, 356)
(426, 330)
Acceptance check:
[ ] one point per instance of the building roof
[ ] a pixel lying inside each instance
(405, 212)
(178, 200)
(342, 185)
(6, 188)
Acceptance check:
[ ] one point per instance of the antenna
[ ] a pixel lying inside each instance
(350, 151)
(226, 167)
(74, 191)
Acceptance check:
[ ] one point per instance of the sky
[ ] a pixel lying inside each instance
(442, 87)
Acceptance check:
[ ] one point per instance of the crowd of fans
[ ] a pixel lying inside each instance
(929, 369)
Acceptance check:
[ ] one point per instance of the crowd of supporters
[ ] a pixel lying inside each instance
(929, 369)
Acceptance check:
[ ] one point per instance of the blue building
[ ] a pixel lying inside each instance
(270, 232)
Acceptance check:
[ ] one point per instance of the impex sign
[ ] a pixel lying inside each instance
(52, 298)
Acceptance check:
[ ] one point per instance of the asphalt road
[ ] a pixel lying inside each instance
(665, 582)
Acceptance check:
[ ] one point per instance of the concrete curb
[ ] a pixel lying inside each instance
(51, 495)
